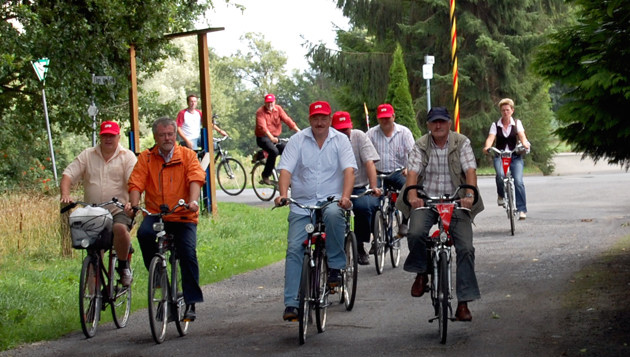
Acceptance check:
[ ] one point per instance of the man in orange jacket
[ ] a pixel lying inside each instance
(166, 173)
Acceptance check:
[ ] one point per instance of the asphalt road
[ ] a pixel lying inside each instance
(572, 219)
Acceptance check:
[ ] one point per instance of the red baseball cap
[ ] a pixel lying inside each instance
(341, 120)
(319, 108)
(270, 98)
(384, 111)
(109, 127)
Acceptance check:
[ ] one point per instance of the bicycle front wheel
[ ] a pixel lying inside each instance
(443, 294)
(120, 297)
(263, 191)
(179, 306)
(379, 241)
(321, 293)
(304, 309)
(231, 176)
(394, 244)
(511, 206)
(350, 274)
(90, 299)
(158, 298)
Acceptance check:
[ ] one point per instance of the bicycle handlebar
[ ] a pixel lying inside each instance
(218, 140)
(285, 201)
(366, 192)
(164, 210)
(440, 199)
(519, 149)
(114, 201)
(383, 175)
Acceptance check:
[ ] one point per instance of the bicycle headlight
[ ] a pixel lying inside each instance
(443, 237)
(309, 228)
(158, 226)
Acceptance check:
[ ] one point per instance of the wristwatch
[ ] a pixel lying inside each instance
(469, 195)
(195, 202)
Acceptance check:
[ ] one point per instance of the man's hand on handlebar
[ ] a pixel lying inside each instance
(416, 202)
(345, 203)
(467, 202)
(130, 210)
(280, 201)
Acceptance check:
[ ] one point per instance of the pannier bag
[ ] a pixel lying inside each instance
(91, 227)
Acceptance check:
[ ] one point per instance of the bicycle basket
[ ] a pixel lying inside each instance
(91, 227)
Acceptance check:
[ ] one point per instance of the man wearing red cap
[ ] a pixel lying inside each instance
(393, 142)
(365, 155)
(317, 163)
(104, 171)
(269, 119)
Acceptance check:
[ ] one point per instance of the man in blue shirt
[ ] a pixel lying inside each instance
(317, 163)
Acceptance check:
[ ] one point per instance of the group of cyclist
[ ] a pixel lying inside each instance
(329, 158)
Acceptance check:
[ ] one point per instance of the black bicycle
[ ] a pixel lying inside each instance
(166, 298)
(439, 251)
(231, 174)
(98, 285)
(387, 220)
(263, 190)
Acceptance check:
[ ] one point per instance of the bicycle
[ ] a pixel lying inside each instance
(350, 274)
(313, 294)
(509, 200)
(98, 286)
(439, 252)
(263, 191)
(230, 172)
(387, 220)
(165, 290)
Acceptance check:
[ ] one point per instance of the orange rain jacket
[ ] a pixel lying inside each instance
(166, 183)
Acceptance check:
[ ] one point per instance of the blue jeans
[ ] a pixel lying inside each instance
(335, 221)
(363, 208)
(186, 245)
(516, 167)
(420, 224)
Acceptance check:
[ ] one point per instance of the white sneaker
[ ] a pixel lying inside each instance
(125, 277)
(500, 201)
(522, 215)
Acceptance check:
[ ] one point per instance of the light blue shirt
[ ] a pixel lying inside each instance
(316, 173)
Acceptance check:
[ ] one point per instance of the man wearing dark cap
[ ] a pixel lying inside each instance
(317, 163)
(269, 119)
(104, 171)
(441, 161)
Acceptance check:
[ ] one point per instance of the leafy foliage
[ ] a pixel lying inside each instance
(398, 93)
(590, 57)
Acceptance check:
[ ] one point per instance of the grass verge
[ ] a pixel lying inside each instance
(39, 293)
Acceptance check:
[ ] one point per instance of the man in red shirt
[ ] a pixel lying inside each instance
(269, 118)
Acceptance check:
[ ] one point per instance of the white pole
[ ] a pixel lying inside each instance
(50, 143)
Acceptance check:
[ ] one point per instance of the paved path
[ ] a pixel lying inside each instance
(572, 163)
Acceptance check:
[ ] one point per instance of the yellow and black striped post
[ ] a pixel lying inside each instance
(454, 64)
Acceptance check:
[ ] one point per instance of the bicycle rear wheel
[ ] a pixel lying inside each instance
(120, 298)
(179, 306)
(321, 292)
(263, 191)
(231, 176)
(90, 298)
(350, 274)
(379, 241)
(304, 309)
(158, 298)
(443, 294)
(511, 206)
(394, 244)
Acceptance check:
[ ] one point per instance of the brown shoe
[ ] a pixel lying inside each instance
(417, 289)
(463, 314)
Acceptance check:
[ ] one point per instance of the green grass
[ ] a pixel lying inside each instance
(39, 296)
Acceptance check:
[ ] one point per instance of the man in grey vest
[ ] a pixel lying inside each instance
(441, 161)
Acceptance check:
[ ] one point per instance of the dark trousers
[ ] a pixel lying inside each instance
(186, 244)
(273, 150)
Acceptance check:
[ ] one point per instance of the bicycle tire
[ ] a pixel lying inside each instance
(510, 206)
(90, 299)
(120, 296)
(179, 305)
(231, 176)
(321, 292)
(158, 298)
(379, 241)
(443, 295)
(304, 308)
(350, 274)
(394, 243)
(262, 191)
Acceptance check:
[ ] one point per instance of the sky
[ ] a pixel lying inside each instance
(282, 22)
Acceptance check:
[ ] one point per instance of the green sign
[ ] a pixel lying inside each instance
(41, 67)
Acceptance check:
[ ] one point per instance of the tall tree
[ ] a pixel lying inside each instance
(590, 57)
(496, 39)
(398, 93)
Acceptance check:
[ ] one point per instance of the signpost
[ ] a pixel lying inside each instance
(427, 73)
(41, 68)
(93, 109)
